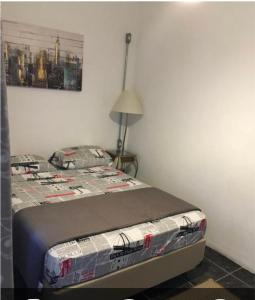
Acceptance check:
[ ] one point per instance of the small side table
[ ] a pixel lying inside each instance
(125, 160)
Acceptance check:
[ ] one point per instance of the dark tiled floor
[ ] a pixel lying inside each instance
(216, 266)
(232, 282)
(204, 271)
(245, 276)
(221, 260)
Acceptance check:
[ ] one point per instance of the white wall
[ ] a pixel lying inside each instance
(196, 75)
(43, 120)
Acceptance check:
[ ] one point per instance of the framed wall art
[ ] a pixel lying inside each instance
(42, 57)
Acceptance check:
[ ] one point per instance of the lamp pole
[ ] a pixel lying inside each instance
(120, 144)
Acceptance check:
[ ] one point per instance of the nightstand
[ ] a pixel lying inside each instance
(124, 161)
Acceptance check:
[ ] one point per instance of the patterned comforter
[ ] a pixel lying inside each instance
(51, 187)
(84, 259)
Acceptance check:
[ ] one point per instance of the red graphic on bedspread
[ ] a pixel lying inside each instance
(69, 153)
(67, 179)
(60, 195)
(117, 186)
(147, 240)
(202, 226)
(87, 274)
(65, 267)
(57, 175)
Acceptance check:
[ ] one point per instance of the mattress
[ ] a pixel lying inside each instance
(94, 256)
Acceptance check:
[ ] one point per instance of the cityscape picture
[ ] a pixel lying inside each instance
(42, 57)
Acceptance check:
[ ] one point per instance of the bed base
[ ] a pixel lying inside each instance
(133, 279)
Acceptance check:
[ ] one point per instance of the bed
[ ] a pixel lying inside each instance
(99, 227)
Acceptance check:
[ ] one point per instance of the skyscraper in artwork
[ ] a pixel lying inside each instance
(57, 51)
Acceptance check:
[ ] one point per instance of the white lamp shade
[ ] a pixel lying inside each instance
(128, 103)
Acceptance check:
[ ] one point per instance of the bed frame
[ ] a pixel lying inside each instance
(133, 279)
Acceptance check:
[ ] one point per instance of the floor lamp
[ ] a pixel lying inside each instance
(127, 103)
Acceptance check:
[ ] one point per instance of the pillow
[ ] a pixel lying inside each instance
(80, 157)
(29, 163)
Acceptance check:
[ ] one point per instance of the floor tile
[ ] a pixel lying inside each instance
(205, 270)
(231, 282)
(245, 276)
(237, 287)
(221, 260)
(186, 285)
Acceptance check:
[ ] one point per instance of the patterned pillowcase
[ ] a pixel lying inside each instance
(80, 157)
(29, 163)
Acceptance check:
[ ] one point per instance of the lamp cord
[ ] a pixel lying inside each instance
(125, 133)
(119, 141)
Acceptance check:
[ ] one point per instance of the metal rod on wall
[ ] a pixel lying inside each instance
(128, 37)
